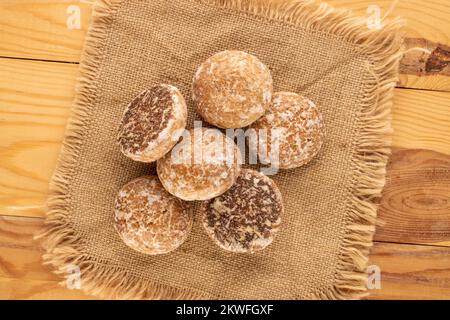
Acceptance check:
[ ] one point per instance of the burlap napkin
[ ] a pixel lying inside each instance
(312, 49)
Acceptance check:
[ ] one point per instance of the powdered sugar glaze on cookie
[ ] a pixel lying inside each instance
(302, 131)
(232, 89)
(149, 219)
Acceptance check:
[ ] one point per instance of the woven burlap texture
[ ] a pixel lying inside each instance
(330, 204)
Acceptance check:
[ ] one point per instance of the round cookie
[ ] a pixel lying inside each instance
(292, 131)
(232, 89)
(152, 123)
(149, 219)
(247, 216)
(202, 166)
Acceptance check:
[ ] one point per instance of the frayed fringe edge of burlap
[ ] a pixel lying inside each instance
(65, 249)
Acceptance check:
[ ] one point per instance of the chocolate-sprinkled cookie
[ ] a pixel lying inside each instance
(292, 131)
(247, 216)
(232, 89)
(152, 123)
(149, 219)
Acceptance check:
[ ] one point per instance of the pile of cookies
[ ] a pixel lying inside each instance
(241, 209)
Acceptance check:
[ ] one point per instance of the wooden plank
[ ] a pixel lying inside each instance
(427, 19)
(43, 29)
(415, 206)
(34, 107)
(38, 29)
(22, 275)
(427, 28)
(407, 271)
(21, 289)
(35, 103)
(421, 120)
(412, 271)
(428, 68)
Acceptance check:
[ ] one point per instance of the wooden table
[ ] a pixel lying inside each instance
(40, 44)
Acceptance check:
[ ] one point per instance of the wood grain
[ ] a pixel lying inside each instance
(412, 271)
(34, 107)
(22, 275)
(37, 29)
(421, 120)
(427, 27)
(415, 206)
(427, 19)
(408, 271)
(435, 59)
(23, 289)
(428, 68)
(35, 104)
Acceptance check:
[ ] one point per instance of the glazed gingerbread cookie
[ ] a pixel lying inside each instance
(202, 166)
(293, 131)
(152, 123)
(149, 219)
(246, 217)
(232, 89)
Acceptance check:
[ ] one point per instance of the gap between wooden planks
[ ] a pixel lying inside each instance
(49, 30)
(407, 271)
